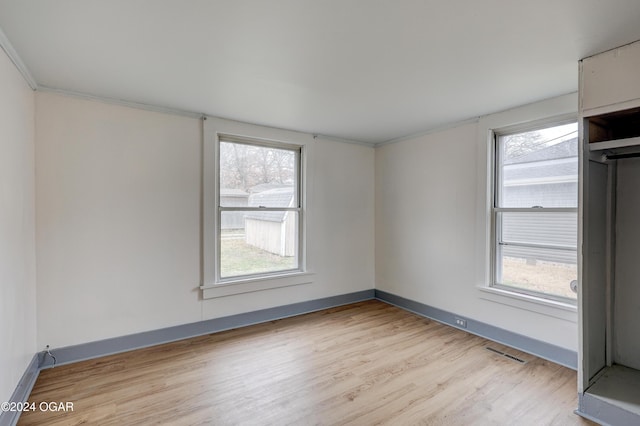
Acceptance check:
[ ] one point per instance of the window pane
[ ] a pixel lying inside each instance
(539, 168)
(246, 171)
(256, 242)
(551, 229)
(532, 270)
(537, 251)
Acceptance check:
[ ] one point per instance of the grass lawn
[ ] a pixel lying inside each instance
(240, 258)
(545, 277)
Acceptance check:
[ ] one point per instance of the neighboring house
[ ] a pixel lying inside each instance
(261, 187)
(272, 231)
(233, 198)
(551, 173)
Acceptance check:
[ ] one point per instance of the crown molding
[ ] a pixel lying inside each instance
(185, 113)
(121, 102)
(430, 131)
(15, 58)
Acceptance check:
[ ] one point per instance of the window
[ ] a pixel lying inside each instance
(254, 208)
(259, 207)
(534, 212)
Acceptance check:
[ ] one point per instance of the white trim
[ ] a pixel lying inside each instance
(250, 285)
(6, 45)
(185, 113)
(121, 102)
(294, 148)
(342, 140)
(212, 284)
(535, 210)
(537, 246)
(533, 116)
(522, 125)
(258, 209)
(527, 117)
(541, 181)
(548, 307)
(261, 278)
(436, 129)
(606, 109)
(613, 144)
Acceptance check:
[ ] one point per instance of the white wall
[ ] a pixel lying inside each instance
(431, 226)
(425, 217)
(118, 235)
(118, 224)
(17, 227)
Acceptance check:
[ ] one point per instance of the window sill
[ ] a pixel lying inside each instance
(250, 285)
(552, 308)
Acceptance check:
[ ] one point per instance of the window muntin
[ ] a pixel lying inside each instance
(259, 208)
(535, 212)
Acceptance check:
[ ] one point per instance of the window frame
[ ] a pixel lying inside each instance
(210, 285)
(495, 210)
(299, 196)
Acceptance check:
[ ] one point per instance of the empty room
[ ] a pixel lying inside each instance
(319, 212)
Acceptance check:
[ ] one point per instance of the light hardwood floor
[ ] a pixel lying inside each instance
(362, 364)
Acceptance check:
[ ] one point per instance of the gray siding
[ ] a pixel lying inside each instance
(563, 194)
(547, 177)
(541, 228)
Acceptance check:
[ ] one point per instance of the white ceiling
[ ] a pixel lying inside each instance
(365, 70)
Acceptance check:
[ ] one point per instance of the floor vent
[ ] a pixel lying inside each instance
(511, 357)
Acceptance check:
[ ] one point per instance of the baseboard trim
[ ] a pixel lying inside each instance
(76, 353)
(22, 392)
(82, 352)
(595, 409)
(541, 349)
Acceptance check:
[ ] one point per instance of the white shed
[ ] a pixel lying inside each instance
(273, 231)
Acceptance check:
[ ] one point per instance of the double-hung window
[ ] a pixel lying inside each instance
(534, 212)
(259, 208)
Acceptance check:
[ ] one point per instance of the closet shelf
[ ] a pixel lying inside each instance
(613, 144)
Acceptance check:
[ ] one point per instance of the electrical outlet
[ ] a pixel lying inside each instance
(47, 352)
(461, 322)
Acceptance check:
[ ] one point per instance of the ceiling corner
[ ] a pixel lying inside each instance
(6, 45)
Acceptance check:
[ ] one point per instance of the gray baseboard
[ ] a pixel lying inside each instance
(71, 354)
(21, 393)
(541, 349)
(604, 413)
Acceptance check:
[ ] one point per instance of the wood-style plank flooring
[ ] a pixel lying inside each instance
(361, 364)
